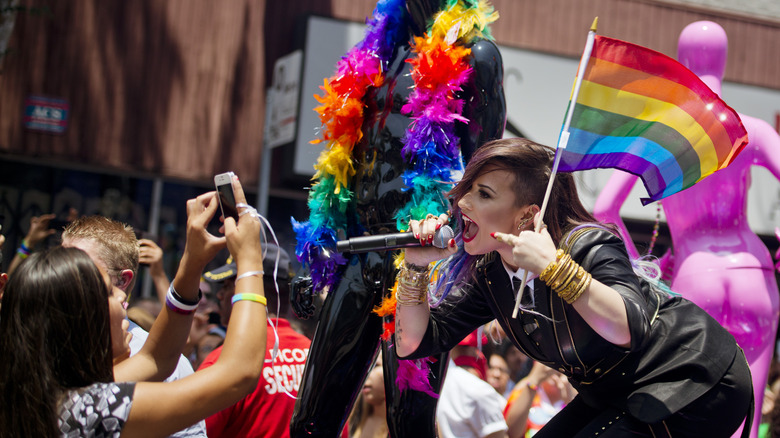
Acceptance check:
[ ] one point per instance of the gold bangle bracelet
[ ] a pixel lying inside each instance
(556, 272)
(563, 273)
(412, 288)
(581, 287)
(410, 295)
(544, 276)
(571, 271)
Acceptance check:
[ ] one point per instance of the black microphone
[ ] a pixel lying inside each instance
(385, 242)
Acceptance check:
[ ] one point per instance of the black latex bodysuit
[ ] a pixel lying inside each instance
(348, 333)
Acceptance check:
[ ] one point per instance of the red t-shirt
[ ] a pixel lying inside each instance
(267, 411)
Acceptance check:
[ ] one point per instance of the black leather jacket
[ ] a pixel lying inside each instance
(677, 351)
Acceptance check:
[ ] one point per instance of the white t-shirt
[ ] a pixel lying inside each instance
(183, 369)
(468, 406)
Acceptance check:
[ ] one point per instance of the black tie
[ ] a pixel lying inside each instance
(525, 302)
(524, 296)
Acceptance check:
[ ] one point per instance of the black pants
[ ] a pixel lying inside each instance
(717, 413)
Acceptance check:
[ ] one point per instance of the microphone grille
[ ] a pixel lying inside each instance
(442, 237)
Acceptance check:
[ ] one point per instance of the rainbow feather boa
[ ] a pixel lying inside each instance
(439, 70)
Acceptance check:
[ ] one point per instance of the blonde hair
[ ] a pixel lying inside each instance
(117, 245)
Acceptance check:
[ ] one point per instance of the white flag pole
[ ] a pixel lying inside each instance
(563, 140)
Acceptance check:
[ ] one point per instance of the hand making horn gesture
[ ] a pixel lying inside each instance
(532, 250)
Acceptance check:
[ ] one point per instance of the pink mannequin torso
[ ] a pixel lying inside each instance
(719, 263)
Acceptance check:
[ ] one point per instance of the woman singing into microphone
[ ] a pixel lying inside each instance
(644, 362)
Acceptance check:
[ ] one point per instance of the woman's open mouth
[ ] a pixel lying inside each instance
(470, 229)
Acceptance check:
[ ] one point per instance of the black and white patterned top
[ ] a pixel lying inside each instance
(97, 411)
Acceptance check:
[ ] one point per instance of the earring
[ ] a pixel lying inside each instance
(522, 223)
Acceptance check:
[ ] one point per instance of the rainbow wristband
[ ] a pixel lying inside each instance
(23, 251)
(249, 297)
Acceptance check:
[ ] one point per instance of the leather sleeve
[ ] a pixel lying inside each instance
(453, 321)
(604, 256)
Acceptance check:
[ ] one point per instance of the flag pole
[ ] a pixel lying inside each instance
(563, 140)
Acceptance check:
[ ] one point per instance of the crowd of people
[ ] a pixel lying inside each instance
(66, 336)
(227, 337)
(600, 346)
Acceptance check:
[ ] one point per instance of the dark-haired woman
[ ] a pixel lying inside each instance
(61, 319)
(644, 363)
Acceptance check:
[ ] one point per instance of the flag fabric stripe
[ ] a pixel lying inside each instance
(656, 159)
(670, 170)
(606, 124)
(649, 173)
(645, 113)
(641, 83)
(645, 60)
(657, 64)
(645, 108)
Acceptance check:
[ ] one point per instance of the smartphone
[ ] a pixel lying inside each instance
(227, 202)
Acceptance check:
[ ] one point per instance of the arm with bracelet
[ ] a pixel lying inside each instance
(157, 407)
(39, 230)
(599, 305)
(412, 310)
(521, 399)
(160, 354)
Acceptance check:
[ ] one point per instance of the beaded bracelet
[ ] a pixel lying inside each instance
(249, 297)
(249, 274)
(23, 251)
(177, 304)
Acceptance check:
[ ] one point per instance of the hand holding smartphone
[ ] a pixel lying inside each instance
(227, 201)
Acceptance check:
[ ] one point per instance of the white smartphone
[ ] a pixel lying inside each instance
(227, 202)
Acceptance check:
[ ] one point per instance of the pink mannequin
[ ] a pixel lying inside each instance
(719, 263)
(777, 254)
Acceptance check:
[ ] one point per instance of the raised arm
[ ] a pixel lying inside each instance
(765, 144)
(152, 255)
(39, 230)
(522, 398)
(600, 305)
(160, 409)
(412, 311)
(160, 353)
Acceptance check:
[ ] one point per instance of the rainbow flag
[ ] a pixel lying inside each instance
(645, 113)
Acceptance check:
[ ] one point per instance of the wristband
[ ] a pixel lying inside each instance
(23, 250)
(249, 274)
(183, 300)
(249, 297)
(175, 303)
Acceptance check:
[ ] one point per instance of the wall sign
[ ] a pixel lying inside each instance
(45, 114)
